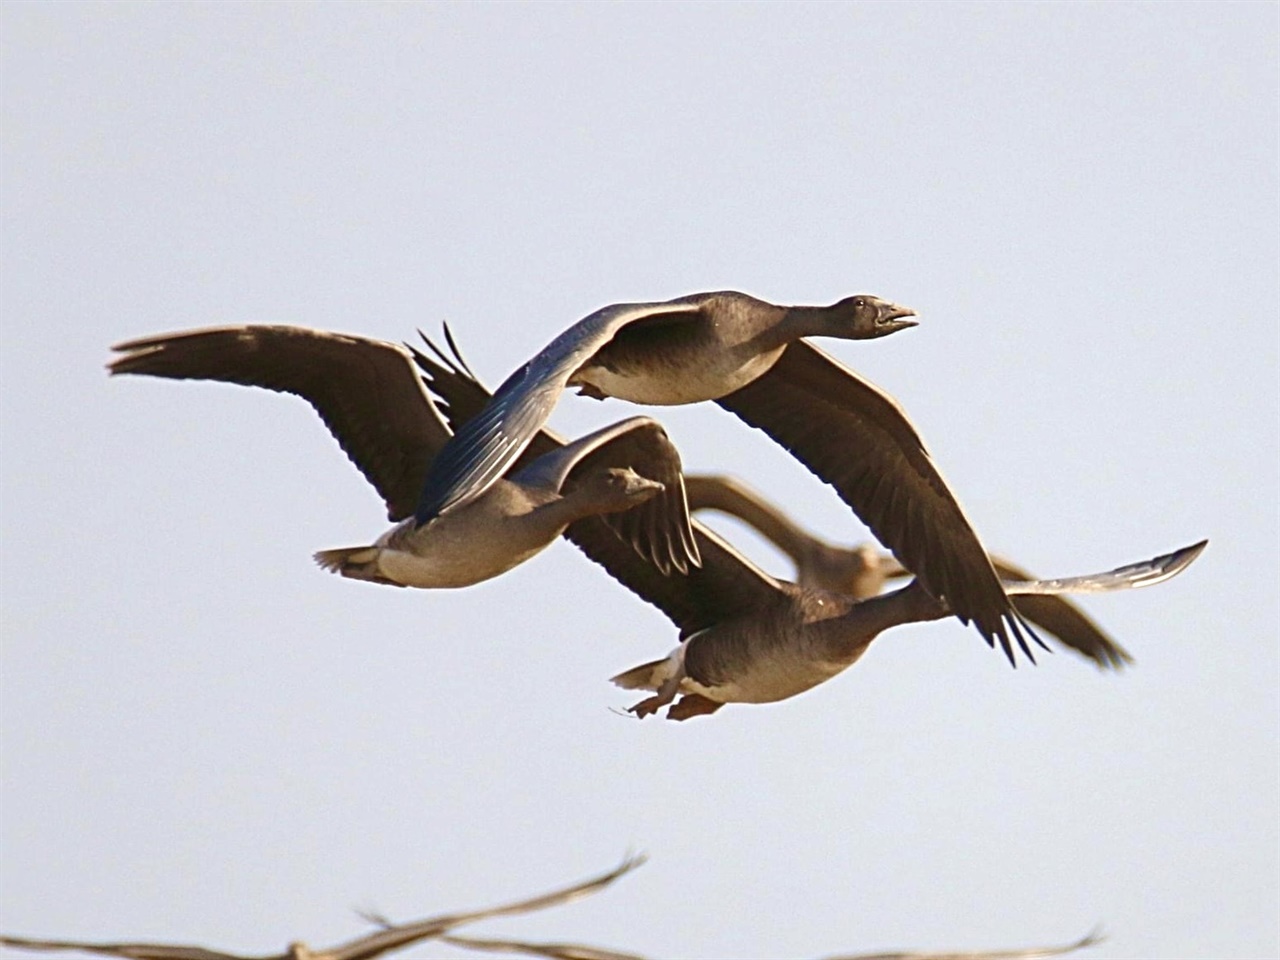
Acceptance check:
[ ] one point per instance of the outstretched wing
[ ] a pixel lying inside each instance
(725, 586)
(368, 392)
(133, 951)
(1063, 620)
(485, 449)
(1145, 573)
(856, 438)
(658, 529)
(1056, 616)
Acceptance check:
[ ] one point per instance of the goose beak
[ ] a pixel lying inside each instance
(890, 317)
(640, 486)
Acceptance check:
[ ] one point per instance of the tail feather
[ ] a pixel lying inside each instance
(647, 676)
(356, 563)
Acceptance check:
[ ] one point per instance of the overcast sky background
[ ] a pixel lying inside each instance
(206, 739)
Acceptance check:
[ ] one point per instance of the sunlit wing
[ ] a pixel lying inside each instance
(368, 392)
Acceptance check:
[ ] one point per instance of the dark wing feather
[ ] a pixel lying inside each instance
(856, 438)
(368, 392)
(725, 586)
(459, 396)
(1062, 619)
(485, 449)
(658, 529)
(1057, 616)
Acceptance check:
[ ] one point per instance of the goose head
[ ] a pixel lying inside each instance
(864, 317)
(619, 488)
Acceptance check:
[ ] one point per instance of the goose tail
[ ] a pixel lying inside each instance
(647, 676)
(356, 563)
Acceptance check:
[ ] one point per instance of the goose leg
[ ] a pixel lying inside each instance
(692, 705)
(666, 693)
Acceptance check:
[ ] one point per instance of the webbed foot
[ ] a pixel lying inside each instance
(648, 706)
(692, 705)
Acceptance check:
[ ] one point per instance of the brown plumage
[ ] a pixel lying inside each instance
(749, 356)
(746, 636)
(370, 395)
(863, 571)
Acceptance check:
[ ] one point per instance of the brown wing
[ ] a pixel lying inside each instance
(396, 937)
(391, 937)
(368, 392)
(477, 455)
(726, 585)
(1027, 953)
(133, 951)
(1057, 616)
(1063, 619)
(658, 529)
(856, 438)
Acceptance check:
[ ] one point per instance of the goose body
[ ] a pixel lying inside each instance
(744, 635)
(690, 349)
(749, 356)
(445, 553)
(372, 398)
(808, 636)
(671, 358)
(862, 571)
(515, 520)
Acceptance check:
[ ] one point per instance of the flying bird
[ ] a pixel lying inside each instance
(785, 639)
(862, 571)
(749, 356)
(371, 397)
(399, 936)
(389, 938)
(744, 635)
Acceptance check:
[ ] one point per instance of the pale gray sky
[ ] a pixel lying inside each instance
(207, 739)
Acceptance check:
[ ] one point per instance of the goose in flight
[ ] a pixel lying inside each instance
(387, 938)
(863, 571)
(749, 357)
(390, 937)
(371, 397)
(746, 636)
(784, 639)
